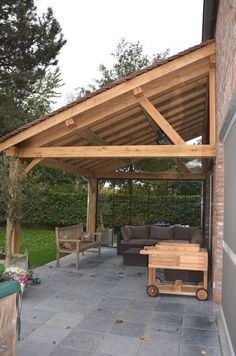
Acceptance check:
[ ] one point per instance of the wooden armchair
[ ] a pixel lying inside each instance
(72, 239)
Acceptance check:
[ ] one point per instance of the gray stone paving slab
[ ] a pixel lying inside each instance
(65, 320)
(135, 315)
(37, 315)
(158, 348)
(96, 324)
(103, 309)
(200, 309)
(82, 340)
(170, 308)
(34, 348)
(164, 336)
(65, 351)
(193, 350)
(200, 337)
(49, 334)
(165, 322)
(118, 345)
(200, 322)
(128, 328)
(28, 327)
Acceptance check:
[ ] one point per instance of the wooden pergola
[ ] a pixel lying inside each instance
(119, 124)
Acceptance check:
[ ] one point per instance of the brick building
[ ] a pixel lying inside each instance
(219, 22)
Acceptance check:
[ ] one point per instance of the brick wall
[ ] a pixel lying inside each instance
(225, 57)
(225, 86)
(218, 223)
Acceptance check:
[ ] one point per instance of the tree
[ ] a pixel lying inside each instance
(19, 193)
(29, 45)
(128, 58)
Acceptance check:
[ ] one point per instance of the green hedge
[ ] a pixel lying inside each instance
(59, 209)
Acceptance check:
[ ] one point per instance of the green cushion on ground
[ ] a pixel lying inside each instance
(8, 288)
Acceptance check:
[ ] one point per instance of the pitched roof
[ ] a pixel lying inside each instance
(105, 88)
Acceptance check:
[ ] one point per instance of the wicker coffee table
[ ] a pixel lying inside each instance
(132, 257)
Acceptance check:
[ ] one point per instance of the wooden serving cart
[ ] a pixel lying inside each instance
(182, 256)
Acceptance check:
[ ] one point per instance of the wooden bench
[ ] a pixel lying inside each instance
(72, 239)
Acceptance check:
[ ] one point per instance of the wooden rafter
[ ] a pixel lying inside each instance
(173, 66)
(136, 151)
(155, 126)
(94, 139)
(89, 118)
(156, 116)
(56, 164)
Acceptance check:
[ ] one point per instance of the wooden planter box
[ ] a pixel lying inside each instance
(8, 317)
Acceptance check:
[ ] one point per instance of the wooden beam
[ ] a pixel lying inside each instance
(70, 122)
(94, 139)
(92, 199)
(150, 175)
(172, 66)
(159, 119)
(32, 164)
(59, 165)
(138, 151)
(212, 101)
(92, 117)
(181, 165)
(205, 134)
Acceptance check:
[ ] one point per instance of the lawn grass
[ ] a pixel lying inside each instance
(40, 244)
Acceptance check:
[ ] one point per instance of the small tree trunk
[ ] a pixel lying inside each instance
(9, 233)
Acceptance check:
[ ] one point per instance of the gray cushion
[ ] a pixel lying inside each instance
(161, 233)
(197, 238)
(183, 232)
(131, 242)
(140, 232)
(126, 232)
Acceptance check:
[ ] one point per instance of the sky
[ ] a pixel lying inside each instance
(93, 28)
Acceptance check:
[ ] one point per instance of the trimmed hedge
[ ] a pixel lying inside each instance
(59, 209)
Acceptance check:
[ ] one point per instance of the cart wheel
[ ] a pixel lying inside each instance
(202, 294)
(159, 280)
(152, 291)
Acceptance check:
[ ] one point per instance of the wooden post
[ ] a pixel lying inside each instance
(212, 101)
(92, 200)
(15, 243)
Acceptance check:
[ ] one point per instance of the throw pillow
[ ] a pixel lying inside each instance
(140, 231)
(197, 237)
(162, 233)
(126, 232)
(183, 232)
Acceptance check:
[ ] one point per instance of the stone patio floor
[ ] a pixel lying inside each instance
(102, 309)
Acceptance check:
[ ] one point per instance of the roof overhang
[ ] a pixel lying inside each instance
(120, 124)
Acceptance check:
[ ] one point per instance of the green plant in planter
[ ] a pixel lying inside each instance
(18, 194)
(2, 269)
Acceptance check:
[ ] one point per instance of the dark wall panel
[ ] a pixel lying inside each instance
(229, 296)
(230, 189)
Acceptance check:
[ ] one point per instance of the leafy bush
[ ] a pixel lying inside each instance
(59, 209)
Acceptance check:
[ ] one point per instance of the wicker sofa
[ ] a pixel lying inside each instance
(148, 235)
